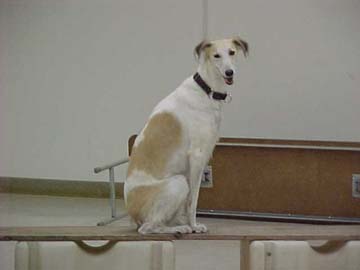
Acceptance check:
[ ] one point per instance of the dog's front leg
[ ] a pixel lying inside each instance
(197, 164)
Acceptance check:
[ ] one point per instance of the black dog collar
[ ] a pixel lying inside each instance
(207, 89)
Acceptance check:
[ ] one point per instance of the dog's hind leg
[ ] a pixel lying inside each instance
(164, 207)
(181, 217)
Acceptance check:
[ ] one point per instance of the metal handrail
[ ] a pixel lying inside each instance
(111, 167)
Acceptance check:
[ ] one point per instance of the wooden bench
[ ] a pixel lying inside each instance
(243, 232)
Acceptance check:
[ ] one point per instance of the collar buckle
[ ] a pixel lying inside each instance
(228, 98)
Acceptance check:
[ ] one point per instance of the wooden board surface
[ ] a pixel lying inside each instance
(295, 181)
(261, 231)
(291, 142)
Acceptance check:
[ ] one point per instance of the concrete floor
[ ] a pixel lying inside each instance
(30, 210)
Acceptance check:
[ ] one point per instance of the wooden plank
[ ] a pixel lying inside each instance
(283, 181)
(292, 142)
(245, 255)
(216, 232)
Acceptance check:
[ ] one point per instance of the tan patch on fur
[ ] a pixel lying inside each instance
(241, 44)
(210, 47)
(161, 138)
(219, 44)
(140, 199)
(209, 51)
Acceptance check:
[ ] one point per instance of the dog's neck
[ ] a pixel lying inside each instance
(212, 77)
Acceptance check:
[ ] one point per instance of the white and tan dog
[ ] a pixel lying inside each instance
(169, 155)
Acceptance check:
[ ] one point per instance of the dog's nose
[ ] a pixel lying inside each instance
(229, 72)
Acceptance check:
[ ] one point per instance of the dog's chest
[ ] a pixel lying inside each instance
(203, 130)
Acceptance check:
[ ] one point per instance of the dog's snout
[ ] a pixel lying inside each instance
(229, 72)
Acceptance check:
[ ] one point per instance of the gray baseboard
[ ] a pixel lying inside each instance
(56, 187)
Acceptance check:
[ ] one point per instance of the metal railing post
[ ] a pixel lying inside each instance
(112, 192)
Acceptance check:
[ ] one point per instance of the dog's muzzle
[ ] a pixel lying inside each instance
(229, 80)
(229, 73)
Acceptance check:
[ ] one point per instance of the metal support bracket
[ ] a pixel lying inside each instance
(112, 199)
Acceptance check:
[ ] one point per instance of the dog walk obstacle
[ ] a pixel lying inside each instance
(236, 231)
(333, 237)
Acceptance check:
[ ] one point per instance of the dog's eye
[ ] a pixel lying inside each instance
(217, 55)
(231, 52)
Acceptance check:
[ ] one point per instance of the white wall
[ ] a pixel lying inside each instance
(78, 77)
(302, 80)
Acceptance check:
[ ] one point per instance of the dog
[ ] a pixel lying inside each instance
(170, 153)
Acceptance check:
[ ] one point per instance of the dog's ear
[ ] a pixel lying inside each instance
(200, 47)
(241, 44)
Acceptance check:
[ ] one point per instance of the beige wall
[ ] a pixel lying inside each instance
(78, 77)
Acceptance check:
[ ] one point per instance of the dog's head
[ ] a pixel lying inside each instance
(221, 55)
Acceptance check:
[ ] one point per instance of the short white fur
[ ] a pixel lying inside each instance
(174, 208)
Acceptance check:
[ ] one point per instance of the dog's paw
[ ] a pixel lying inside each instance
(183, 229)
(199, 228)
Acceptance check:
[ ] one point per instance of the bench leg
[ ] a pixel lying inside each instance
(245, 255)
